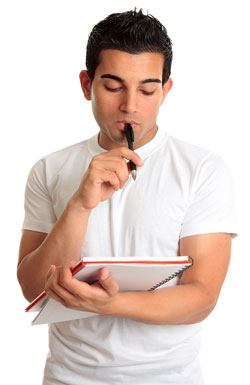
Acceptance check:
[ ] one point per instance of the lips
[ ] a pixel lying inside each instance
(122, 123)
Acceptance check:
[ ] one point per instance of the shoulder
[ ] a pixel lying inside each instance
(63, 159)
(205, 171)
(187, 151)
(192, 159)
(68, 153)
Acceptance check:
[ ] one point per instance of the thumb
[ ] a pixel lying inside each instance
(108, 282)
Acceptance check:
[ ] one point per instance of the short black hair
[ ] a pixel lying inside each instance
(131, 32)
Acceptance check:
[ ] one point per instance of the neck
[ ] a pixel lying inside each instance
(108, 143)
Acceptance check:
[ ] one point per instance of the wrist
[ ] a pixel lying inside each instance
(111, 307)
(74, 204)
(115, 307)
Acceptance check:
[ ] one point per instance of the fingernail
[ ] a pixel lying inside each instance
(105, 274)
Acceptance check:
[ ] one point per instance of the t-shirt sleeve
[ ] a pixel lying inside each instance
(212, 206)
(39, 212)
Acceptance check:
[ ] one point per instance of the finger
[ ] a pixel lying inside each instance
(52, 294)
(53, 277)
(71, 284)
(52, 282)
(111, 178)
(107, 281)
(66, 299)
(116, 164)
(120, 168)
(55, 290)
(128, 154)
(50, 272)
(53, 268)
(123, 152)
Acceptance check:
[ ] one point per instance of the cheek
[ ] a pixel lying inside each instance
(103, 105)
(151, 107)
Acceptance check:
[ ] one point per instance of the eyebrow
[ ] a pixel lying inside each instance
(117, 78)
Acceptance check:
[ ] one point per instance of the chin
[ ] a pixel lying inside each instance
(108, 139)
(122, 142)
(120, 138)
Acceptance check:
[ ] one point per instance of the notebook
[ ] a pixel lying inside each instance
(131, 273)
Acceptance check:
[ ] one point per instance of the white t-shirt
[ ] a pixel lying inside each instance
(181, 190)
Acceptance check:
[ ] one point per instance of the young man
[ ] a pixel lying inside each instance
(81, 201)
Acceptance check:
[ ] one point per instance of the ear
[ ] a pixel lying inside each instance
(166, 88)
(85, 84)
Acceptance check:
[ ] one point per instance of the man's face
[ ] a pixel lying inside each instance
(126, 88)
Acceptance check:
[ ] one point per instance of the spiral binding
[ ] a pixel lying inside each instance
(171, 276)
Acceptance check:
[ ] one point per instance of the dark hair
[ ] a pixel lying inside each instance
(131, 32)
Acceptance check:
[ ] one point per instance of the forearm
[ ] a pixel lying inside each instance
(181, 304)
(106, 174)
(62, 245)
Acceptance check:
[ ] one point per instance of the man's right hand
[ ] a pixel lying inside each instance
(107, 172)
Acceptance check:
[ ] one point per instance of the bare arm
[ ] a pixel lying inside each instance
(38, 251)
(195, 297)
(107, 173)
(189, 302)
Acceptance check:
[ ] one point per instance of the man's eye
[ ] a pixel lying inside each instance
(147, 92)
(113, 89)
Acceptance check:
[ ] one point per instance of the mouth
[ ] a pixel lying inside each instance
(121, 124)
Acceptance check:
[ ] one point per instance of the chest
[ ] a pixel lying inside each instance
(144, 218)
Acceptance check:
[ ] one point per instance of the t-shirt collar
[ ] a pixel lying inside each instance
(143, 151)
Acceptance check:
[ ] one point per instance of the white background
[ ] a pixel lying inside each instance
(43, 109)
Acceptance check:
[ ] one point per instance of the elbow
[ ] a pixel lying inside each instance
(207, 306)
(199, 316)
(24, 287)
(28, 293)
(27, 288)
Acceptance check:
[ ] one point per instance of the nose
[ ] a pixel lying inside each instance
(129, 102)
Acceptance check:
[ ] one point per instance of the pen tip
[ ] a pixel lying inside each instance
(134, 174)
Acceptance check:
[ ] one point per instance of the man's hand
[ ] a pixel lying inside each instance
(107, 173)
(73, 294)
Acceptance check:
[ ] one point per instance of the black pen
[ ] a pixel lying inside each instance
(130, 139)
